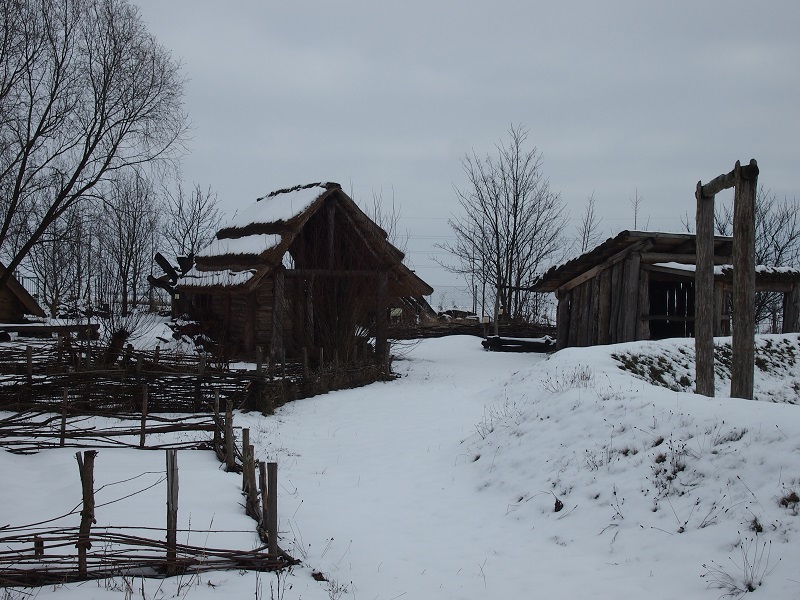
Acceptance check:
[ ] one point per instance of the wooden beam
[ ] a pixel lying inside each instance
(684, 259)
(278, 303)
(631, 292)
(744, 282)
(640, 246)
(563, 319)
(791, 311)
(704, 294)
(642, 323)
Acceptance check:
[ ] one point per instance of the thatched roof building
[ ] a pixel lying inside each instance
(640, 285)
(302, 267)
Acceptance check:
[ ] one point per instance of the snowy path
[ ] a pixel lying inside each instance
(378, 493)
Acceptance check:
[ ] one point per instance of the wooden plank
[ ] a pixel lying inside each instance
(720, 313)
(704, 295)
(574, 317)
(616, 300)
(684, 259)
(582, 300)
(630, 307)
(594, 310)
(276, 342)
(643, 312)
(604, 307)
(563, 318)
(172, 511)
(744, 281)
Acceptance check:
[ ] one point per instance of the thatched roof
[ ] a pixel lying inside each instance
(258, 238)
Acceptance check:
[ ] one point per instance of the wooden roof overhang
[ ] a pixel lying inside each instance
(655, 247)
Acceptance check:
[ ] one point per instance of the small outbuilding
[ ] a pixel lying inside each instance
(640, 286)
(302, 268)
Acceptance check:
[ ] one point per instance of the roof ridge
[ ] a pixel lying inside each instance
(327, 185)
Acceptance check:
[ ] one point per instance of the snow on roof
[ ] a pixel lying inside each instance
(721, 269)
(224, 277)
(249, 244)
(280, 206)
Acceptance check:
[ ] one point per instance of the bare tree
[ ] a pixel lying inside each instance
(86, 93)
(636, 205)
(58, 261)
(511, 226)
(191, 219)
(387, 216)
(128, 221)
(589, 233)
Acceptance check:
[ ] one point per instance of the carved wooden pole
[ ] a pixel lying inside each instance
(704, 295)
(172, 511)
(744, 280)
(86, 468)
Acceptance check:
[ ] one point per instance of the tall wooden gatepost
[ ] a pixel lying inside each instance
(743, 180)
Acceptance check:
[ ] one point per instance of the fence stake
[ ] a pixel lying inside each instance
(272, 502)
(259, 361)
(321, 357)
(217, 440)
(86, 468)
(29, 359)
(262, 485)
(252, 491)
(62, 441)
(172, 510)
(143, 429)
(245, 458)
(305, 362)
(155, 355)
(230, 459)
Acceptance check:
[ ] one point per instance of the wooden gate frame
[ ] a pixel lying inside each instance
(743, 180)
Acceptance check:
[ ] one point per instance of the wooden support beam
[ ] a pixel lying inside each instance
(704, 294)
(172, 511)
(276, 343)
(744, 281)
(631, 301)
(684, 259)
(382, 320)
(643, 323)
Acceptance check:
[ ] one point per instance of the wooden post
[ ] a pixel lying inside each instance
(143, 428)
(321, 357)
(155, 355)
(230, 458)
(744, 281)
(198, 390)
(63, 437)
(562, 318)
(86, 469)
(245, 458)
(262, 484)
(704, 295)
(382, 319)
(277, 313)
(172, 511)
(259, 361)
(252, 490)
(305, 362)
(29, 360)
(217, 436)
(272, 502)
(139, 361)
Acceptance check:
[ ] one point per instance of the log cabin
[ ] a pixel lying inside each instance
(640, 286)
(303, 268)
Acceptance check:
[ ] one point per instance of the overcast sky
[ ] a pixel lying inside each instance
(619, 97)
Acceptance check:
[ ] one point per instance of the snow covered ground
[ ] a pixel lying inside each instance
(491, 475)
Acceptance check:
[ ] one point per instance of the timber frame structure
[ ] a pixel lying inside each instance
(641, 285)
(303, 271)
(16, 302)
